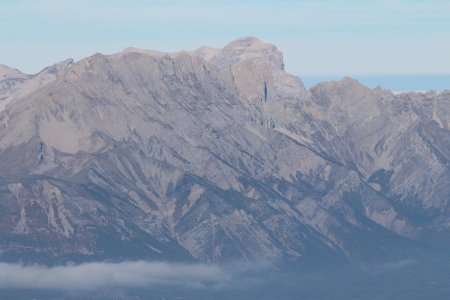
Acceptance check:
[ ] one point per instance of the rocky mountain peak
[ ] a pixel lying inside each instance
(249, 48)
(206, 52)
(8, 73)
(341, 91)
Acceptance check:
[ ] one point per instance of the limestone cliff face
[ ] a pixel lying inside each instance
(216, 154)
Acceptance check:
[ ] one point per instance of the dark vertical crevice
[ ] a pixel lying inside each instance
(265, 91)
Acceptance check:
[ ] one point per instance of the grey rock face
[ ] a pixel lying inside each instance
(9, 79)
(213, 155)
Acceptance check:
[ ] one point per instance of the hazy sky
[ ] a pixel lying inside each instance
(317, 37)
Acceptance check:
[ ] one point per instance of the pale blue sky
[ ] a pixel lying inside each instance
(317, 37)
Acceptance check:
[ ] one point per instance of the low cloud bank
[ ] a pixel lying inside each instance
(97, 275)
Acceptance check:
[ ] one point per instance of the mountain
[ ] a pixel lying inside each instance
(8, 79)
(217, 155)
(9, 73)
